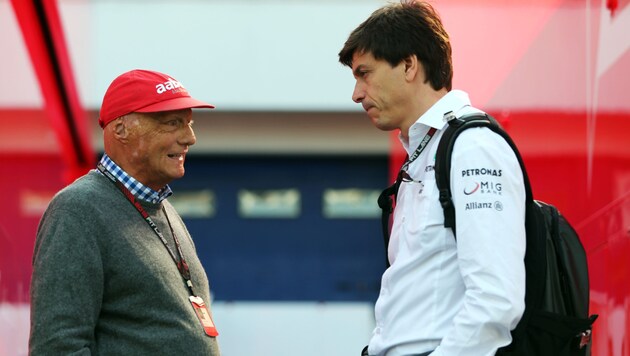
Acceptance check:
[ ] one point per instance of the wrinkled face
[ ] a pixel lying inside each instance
(380, 89)
(158, 143)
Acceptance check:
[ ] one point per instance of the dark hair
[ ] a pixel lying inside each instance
(397, 31)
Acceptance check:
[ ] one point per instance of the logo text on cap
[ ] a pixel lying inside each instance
(170, 84)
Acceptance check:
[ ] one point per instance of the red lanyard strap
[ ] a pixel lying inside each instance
(182, 266)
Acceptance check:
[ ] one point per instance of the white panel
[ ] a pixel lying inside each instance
(19, 86)
(238, 55)
(304, 329)
(271, 55)
(14, 329)
(252, 328)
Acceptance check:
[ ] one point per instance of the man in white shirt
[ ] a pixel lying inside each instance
(441, 295)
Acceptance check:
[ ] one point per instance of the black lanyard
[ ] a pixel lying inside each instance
(182, 266)
(385, 201)
(421, 146)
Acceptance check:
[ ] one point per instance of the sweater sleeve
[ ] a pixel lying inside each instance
(67, 282)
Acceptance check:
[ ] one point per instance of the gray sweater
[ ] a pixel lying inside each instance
(104, 284)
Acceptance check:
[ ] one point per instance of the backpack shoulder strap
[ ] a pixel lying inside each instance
(445, 150)
(386, 203)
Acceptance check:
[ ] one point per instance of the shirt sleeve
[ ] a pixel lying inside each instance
(489, 197)
(66, 284)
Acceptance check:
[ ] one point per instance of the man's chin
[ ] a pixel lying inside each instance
(177, 174)
(382, 126)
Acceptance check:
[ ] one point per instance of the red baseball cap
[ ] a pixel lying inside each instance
(145, 91)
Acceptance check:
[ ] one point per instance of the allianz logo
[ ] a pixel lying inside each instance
(170, 84)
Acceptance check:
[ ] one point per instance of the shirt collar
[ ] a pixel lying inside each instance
(454, 101)
(139, 190)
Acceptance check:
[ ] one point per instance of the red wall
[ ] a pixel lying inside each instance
(28, 181)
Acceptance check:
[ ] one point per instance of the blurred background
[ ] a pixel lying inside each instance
(280, 189)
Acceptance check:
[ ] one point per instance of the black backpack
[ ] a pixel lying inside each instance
(556, 320)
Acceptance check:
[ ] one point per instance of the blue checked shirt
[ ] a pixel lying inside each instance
(139, 190)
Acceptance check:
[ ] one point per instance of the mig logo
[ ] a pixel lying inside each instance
(483, 188)
(472, 189)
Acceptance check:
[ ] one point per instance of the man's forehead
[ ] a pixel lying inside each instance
(361, 58)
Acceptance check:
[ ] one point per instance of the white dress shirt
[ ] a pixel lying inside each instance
(457, 297)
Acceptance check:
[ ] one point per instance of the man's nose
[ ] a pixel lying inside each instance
(359, 93)
(188, 136)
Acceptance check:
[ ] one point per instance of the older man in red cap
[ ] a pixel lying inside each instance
(115, 270)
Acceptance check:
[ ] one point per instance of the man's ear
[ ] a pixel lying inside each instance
(411, 67)
(120, 129)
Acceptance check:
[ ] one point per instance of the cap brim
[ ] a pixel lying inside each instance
(175, 104)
